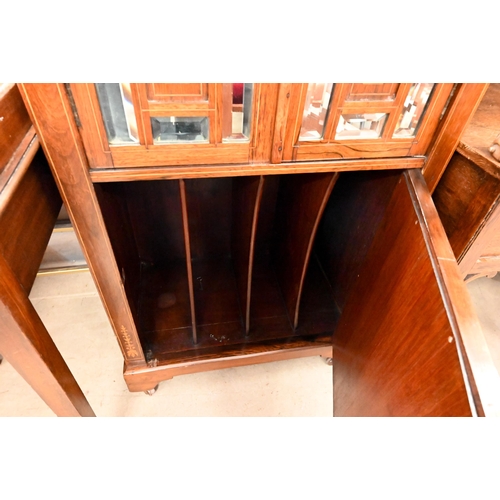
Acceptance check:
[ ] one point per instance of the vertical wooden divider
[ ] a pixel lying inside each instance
(247, 196)
(189, 268)
(301, 203)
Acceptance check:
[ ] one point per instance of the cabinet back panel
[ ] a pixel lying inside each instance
(209, 207)
(350, 221)
(155, 212)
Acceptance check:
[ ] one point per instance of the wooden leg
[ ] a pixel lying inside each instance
(26, 344)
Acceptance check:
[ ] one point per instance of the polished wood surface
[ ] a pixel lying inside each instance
(400, 354)
(14, 122)
(464, 102)
(27, 346)
(29, 205)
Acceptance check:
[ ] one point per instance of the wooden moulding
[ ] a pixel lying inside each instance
(190, 172)
(142, 379)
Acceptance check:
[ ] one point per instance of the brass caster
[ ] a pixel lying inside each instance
(150, 392)
(329, 361)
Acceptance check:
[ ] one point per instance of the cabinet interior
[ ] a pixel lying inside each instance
(226, 266)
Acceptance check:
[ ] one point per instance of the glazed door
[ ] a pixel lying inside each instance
(408, 342)
(157, 124)
(320, 121)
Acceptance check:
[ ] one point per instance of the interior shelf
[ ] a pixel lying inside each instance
(222, 266)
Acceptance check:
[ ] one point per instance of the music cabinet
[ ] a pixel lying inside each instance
(230, 224)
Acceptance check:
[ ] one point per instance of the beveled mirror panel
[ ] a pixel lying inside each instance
(171, 129)
(115, 100)
(361, 126)
(413, 110)
(316, 109)
(236, 111)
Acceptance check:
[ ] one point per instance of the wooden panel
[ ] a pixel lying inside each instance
(28, 219)
(401, 353)
(351, 219)
(92, 126)
(115, 211)
(27, 346)
(247, 195)
(53, 119)
(174, 92)
(351, 149)
(14, 121)
(301, 202)
(372, 91)
(464, 197)
(188, 172)
(263, 123)
(464, 102)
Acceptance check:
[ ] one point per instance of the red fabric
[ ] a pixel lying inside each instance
(237, 93)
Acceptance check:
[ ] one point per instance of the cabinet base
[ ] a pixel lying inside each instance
(141, 379)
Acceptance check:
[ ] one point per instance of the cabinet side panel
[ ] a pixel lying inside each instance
(464, 197)
(394, 350)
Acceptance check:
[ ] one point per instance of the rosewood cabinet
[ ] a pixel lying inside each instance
(230, 224)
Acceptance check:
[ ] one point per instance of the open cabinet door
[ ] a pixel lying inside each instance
(409, 342)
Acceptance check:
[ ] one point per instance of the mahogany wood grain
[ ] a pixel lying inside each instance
(301, 202)
(194, 172)
(480, 372)
(28, 347)
(464, 197)
(464, 102)
(400, 354)
(13, 172)
(14, 121)
(53, 119)
(28, 218)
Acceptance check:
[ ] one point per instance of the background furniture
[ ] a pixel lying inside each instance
(468, 196)
(219, 240)
(29, 203)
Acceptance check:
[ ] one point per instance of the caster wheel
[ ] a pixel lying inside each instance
(150, 392)
(329, 361)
